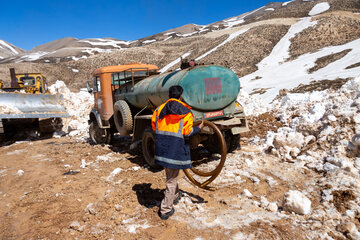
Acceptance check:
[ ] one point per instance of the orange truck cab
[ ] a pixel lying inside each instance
(105, 81)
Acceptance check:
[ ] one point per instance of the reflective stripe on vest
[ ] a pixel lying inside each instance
(178, 134)
(172, 161)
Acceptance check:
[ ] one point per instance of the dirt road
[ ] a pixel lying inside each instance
(68, 189)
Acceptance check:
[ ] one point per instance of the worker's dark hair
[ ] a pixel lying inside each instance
(175, 91)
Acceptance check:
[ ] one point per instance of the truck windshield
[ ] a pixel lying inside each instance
(28, 81)
(120, 77)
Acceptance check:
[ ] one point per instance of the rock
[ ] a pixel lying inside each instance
(90, 209)
(73, 125)
(357, 163)
(117, 207)
(356, 118)
(20, 173)
(356, 139)
(264, 202)
(272, 207)
(350, 213)
(346, 228)
(246, 193)
(75, 225)
(297, 202)
(354, 235)
(354, 146)
(287, 137)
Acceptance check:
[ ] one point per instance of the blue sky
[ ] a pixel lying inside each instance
(29, 23)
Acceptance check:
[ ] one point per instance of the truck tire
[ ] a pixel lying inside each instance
(212, 145)
(123, 117)
(148, 147)
(99, 135)
(233, 142)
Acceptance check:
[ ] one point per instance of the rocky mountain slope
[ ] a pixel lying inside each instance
(239, 43)
(8, 50)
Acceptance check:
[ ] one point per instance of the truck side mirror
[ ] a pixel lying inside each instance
(88, 87)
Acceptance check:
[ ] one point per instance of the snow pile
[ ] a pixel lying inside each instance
(9, 109)
(329, 118)
(319, 8)
(252, 105)
(20, 172)
(287, 142)
(78, 105)
(112, 175)
(297, 202)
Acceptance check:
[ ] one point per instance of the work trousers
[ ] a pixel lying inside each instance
(172, 190)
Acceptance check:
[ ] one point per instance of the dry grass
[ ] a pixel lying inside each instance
(353, 65)
(330, 31)
(326, 60)
(301, 9)
(320, 85)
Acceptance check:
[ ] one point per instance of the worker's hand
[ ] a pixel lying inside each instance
(201, 124)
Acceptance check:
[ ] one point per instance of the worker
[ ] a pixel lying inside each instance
(173, 125)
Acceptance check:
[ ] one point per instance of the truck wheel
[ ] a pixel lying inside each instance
(233, 142)
(123, 117)
(213, 145)
(2, 138)
(99, 135)
(148, 147)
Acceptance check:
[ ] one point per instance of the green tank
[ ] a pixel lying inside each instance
(206, 88)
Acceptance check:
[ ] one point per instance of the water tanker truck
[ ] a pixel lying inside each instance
(126, 96)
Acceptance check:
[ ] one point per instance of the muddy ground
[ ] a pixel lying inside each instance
(62, 188)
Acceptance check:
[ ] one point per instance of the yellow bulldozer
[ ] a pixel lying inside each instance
(28, 105)
(32, 82)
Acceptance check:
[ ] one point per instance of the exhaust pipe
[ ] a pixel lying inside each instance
(14, 82)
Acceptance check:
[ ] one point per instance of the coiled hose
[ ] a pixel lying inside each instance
(214, 173)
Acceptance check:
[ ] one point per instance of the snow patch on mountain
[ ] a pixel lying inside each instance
(149, 41)
(274, 74)
(106, 42)
(286, 3)
(4, 44)
(229, 23)
(281, 50)
(319, 8)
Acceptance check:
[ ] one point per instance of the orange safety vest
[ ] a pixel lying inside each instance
(172, 121)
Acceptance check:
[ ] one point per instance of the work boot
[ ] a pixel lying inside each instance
(176, 201)
(166, 215)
